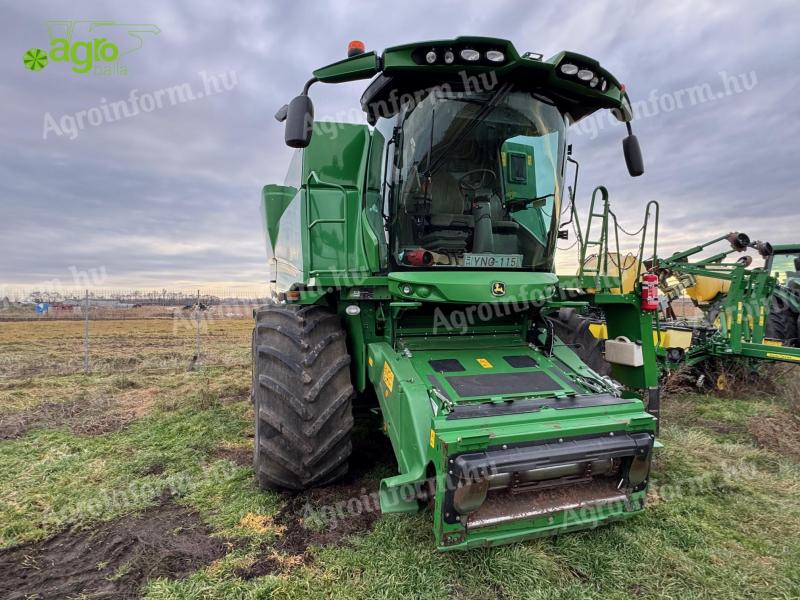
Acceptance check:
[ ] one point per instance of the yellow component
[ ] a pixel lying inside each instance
(670, 338)
(630, 266)
(707, 288)
(783, 356)
(673, 338)
(769, 342)
(370, 361)
(739, 314)
(484, 363)
(722, 382)
(388, 378)
(761, 317)
(433, 438)
(599, 330)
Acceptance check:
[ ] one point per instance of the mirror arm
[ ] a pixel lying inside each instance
(308, 84)
(283, 111)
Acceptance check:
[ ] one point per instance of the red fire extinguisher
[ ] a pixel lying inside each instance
(649, 292)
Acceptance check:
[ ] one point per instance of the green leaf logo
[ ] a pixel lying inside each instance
(35, 59)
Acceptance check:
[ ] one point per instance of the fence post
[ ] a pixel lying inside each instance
(197, 329)
(86, 333)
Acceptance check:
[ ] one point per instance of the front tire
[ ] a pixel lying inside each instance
(302, 397)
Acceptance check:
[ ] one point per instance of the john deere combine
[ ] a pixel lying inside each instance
(413, 264)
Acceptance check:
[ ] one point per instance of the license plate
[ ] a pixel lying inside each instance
(494, 261)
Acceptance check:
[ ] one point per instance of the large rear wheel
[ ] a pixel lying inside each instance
(782, 323)
(302, 397)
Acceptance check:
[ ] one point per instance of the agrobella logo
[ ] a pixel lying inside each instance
(35, 59)
(98, 47)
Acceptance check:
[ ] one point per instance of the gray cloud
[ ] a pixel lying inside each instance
(172, 196)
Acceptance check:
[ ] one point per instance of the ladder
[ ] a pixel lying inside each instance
(600, 271)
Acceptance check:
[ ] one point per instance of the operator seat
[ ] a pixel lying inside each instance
(448, 226)
(493, 233)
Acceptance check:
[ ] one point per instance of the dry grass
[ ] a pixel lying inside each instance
(40, 348)
(725, 522)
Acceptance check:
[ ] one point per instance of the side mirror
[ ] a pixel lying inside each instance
(633, 155)
(299, 121)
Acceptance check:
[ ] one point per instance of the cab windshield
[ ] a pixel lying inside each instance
(477, 181)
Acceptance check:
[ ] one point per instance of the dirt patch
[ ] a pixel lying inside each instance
(83, 416)
(264, 565)
(238, 455)
(323, 517)
(317, 518)
(153, 469)
(113, 560)
(779, 434)
(328, 516)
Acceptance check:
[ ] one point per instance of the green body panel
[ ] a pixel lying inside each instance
(362, 66)
(624, 318)
(423, 437)
(326, 225)
(335, 238)
(454, 286)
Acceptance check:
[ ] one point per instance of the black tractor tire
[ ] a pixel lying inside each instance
(782, 323)
(302, 397)
(573, 329)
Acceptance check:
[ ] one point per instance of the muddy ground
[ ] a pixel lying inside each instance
(113, 560)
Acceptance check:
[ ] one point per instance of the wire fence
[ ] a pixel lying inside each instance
(119, 331)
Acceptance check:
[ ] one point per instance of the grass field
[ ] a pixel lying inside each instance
(136, 479)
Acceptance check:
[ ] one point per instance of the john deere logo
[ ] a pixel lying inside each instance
(498, 288)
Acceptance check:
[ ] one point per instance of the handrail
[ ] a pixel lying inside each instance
(651, 218)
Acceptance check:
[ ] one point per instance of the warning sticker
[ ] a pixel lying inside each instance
(783, 356)
(433, 438)
(484, 363)
(388, 376)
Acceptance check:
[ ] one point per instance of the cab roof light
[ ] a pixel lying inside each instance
(354, 48)
(495, 56)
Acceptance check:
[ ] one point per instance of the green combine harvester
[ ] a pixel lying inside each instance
(413, 265)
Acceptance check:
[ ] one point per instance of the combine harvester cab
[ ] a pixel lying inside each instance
(416, 257)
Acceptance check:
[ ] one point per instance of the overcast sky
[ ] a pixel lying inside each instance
(170, 197)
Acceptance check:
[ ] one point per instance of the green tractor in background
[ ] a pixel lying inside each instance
(784, 316)
(413, 265)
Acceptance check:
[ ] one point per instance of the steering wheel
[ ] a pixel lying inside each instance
(473, 186)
